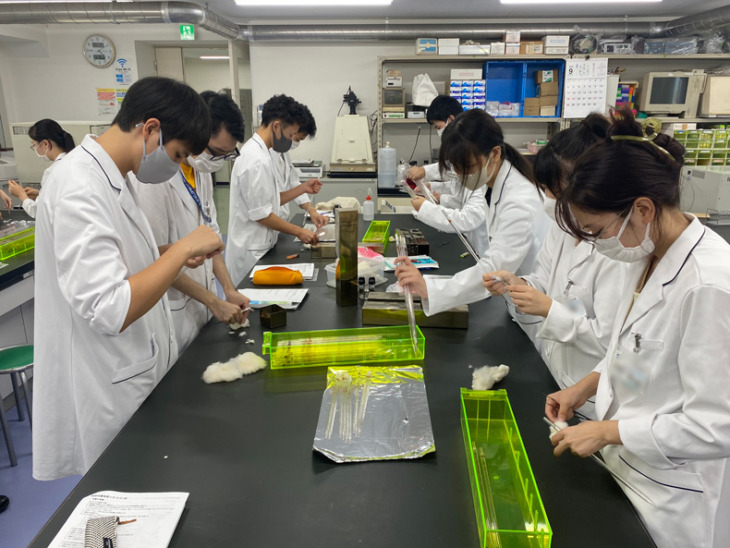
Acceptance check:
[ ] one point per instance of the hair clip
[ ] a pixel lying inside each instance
(649, 129)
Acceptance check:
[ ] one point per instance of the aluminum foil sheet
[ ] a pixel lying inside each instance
(374, 413)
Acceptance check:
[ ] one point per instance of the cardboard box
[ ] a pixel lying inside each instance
(449, 50)
(497, 48)
(426, 46)
(556, 50)
(531, 110)
(532, 102)
(448, 42)
(512, 49)
(554, 40)
(393, 79)
(548, 100)
(545, 76)
(474, 49)
(512, 36)
(466, 74)
(547, 88)
(547, 110)
(531, 48)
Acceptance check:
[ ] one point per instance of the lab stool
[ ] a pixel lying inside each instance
(14, 361)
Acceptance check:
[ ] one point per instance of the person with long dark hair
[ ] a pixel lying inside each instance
(663, 388)
(50, 142)
(473, 146)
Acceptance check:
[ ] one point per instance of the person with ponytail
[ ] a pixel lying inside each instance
(663, 389)
(50, 142)
(572, 286)
(473, 146)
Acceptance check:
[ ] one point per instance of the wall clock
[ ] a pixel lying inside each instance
(99, 51)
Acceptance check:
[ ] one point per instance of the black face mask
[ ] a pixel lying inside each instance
(281, 144)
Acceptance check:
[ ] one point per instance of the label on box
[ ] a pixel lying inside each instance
(544, 76)
(531, 48)
(394, 115)
(556, 41)
(512, 49)
(426, 45)
(556, 50)
(466, 74)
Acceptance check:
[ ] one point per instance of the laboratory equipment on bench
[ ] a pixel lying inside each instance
(352, 153)
(672, 92)
(308, 169)
(705, 190)
(400, 244)
(368, 208)
(387, 308)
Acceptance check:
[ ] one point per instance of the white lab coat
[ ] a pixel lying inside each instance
(583, 285)
(89, 378)
(30, 206)
(173, 214)
(671, 393)
(517, 225)
(467, 210)
(254, 196)
(286, 179)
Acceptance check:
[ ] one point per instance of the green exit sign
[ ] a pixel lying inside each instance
(187, 32)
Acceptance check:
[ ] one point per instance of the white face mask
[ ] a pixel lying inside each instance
(157, 166)
(294, 144)
(548, 204)
(41, 156)
(440, 132)
(477, 180)
(204, 163)
(614, 249)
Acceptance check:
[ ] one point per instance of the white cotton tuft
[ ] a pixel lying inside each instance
(221, 372)
(485, 377)
(233, 369)
(236, 326)
(249, 363)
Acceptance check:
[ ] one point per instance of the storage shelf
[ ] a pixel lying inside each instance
(500, 119)
(537, 57)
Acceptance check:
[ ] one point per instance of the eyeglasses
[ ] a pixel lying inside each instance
(227, 156)
(33, 146)
(593, 237)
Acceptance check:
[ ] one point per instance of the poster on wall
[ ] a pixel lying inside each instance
(120, 97)
(106, 100)
(123, 73)
(585, 87)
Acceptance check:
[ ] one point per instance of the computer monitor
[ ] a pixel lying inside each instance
(671, 93)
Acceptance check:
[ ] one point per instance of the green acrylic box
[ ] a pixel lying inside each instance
(17, 243)
(377, 236)
(362, 345)
(509, 510)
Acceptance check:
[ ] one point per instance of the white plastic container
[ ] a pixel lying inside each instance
(386, 166)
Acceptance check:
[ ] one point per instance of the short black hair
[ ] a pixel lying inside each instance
(282, 108)
(50, 130)
(224, 112)
(307, 124)
(442, 107)
(182, 112)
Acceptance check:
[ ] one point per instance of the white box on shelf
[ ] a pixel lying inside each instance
(512, 49)
(466, 74)
(497, 48)
(512, 36)
(474, 49)
(556, 40)
(556, 50)
(449, 50)
(448, 42)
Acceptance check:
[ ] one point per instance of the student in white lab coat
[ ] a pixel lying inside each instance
(473, 144)
(466, 209)
(104, 335)
(572, 287)
(286, 173)
(51, 143)
(178, 206)
(255, 219)
(663, 389)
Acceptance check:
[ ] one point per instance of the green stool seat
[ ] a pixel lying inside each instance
(16, 357)
(14, 361)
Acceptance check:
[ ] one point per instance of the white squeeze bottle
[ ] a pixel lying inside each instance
(368, 209)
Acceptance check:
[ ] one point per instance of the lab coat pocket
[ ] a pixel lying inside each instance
(634, 360)
(131, 371)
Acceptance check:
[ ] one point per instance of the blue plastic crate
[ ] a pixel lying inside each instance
(512, 81)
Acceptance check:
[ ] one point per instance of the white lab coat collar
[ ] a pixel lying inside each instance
(179, 186)
(259, 141)
(666, 271)
(498, 187)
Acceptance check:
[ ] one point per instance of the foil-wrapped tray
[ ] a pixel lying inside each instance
(374, 413)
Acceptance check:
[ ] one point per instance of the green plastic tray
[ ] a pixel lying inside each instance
(342, 346)
(17, 243)
(377, 236)
(509, 510)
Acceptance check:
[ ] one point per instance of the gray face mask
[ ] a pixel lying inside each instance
(157, 166)
(281, 144)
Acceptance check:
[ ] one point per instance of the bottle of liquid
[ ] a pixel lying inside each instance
(386, 166)
(368, 209)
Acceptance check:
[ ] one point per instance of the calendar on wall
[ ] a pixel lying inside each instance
(585, 87)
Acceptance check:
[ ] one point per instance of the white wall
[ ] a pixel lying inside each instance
(318, 75)
(202, 75)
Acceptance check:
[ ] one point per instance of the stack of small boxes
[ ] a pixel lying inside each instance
(468, 87)
(626, 94)
(547, 95)
(512, 42)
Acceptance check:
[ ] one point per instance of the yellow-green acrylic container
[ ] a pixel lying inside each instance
(377, 236)
(343, 346)
(509, 510)
(17, 243)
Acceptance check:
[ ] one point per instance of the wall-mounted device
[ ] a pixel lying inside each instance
(671, 93)
(716, 98)
(394, 99)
